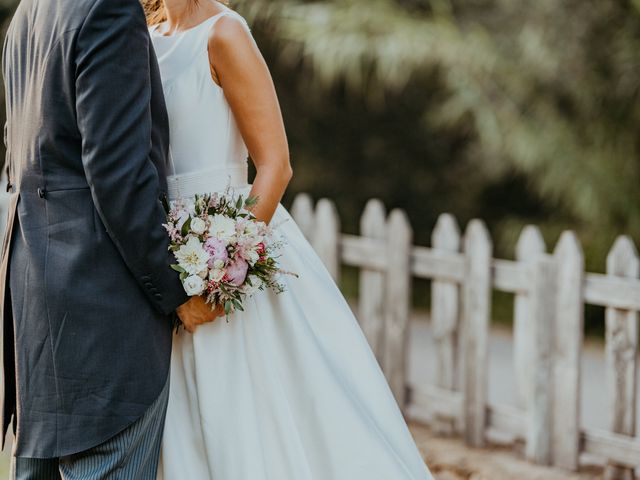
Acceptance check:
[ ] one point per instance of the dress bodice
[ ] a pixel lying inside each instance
(207, 151)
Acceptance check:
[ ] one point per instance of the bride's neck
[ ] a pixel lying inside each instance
(182, 13)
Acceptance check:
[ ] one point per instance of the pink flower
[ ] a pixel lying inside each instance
(216, 249)
(237, 271)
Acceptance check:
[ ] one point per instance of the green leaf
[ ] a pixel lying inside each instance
(165, 203)
(250, 202)
(186, 227)
(238, 305)
(227, 307)
(178, 268)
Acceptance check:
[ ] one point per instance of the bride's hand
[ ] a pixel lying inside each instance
(197, 312)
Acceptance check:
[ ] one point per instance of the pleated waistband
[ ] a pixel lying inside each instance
(187, 185)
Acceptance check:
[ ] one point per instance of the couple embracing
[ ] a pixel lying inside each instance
(109, 111)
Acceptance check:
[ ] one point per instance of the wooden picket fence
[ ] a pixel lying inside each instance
(550, 292)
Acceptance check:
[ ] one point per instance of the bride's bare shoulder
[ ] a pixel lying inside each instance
(233, 52)
(230, 31)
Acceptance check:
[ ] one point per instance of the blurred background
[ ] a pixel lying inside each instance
(515, 112)
(511, 111)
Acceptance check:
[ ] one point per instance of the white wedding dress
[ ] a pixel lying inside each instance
(287, 389)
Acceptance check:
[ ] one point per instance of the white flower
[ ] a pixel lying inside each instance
(192, 257)
(222, 227)
(254, 287)
(218, 264)
(251, 256)
(251, 229)
(203, 274)
(216, 274)
(193, 285)
(198, 226)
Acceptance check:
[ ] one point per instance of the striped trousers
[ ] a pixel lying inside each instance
(131, 455)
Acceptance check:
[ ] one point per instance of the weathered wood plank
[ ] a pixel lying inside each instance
(397, 304)
(621, 449)
(608, 291)
(621, 351)
(429, 401)
(326, 235)
(529, 247)
(539, 408)
(476, 317)
(509, 276)
(363, 252)
(445, 313)
(302, 212)
(568, 329)
(371, 285)
(443, 266)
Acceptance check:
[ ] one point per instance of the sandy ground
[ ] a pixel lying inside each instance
(449, 459)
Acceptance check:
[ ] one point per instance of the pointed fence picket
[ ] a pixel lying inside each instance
(445, 316)
(530, 246)
(621, 353)
(475, 331)
(550, 293)
(567, 349)
(371, 285)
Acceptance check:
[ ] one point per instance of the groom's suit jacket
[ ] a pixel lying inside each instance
(86, 285)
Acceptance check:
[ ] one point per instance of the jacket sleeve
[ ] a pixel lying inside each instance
(113, 94)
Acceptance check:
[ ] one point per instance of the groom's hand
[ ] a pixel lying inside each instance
(197, 312)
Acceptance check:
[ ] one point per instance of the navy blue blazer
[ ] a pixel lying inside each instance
(86, 288)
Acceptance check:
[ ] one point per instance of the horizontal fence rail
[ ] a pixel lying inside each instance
(550, 288)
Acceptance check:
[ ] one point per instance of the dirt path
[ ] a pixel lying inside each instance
(449, 459)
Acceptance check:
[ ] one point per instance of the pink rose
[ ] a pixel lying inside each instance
(237, 271)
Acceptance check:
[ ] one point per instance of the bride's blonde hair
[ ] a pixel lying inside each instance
(155, 12)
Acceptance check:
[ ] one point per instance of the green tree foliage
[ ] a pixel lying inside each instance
(546, 90)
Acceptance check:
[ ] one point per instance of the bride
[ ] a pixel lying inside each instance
(287, 389)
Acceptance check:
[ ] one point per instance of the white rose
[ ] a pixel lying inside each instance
(192, 257)
(221, 227)
(198, 226)
(193, 285)
(216, 274)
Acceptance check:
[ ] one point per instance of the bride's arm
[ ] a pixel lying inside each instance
(238, 67)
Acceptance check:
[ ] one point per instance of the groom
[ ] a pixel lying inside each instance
(87, 292)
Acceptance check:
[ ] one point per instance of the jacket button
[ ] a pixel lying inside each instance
(41, 192)
(158, 296)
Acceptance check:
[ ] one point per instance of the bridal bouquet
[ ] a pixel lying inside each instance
(222, 251)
